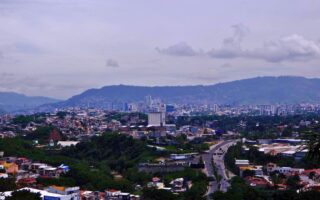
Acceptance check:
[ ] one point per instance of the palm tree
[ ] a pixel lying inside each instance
(312, 144)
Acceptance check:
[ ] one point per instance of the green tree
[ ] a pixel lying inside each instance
(313, 145)
(154, 194)
(7, 184)
(62, 114)
(23, 120)
(201, 162)
(275, 178)
(293, 182)
(62, 181)
(41, 134)
(312, 175)
(247, 172)
(24, 194)
(239, 190)
(196, 192)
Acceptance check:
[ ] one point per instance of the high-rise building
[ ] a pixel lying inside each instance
(148, 101)
(215, 108)
(156, 119)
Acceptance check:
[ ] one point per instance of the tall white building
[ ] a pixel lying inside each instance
(156, 119)
(148, 100)
(215, 108)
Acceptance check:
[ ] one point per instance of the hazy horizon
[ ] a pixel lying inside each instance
(60, 48)
(131, 85)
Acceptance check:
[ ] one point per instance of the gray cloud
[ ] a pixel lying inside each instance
(1, 55)
(20, 83)
(226, 65)
(290, 48)
(112, 63)
(31, 84)
(239, 33)
(179, 49)
(231, 46)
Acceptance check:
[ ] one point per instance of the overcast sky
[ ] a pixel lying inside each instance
(59, 48)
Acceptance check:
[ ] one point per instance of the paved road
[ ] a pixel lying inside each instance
(218, 159)
(209, 157)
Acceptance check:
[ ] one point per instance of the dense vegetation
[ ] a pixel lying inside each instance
(25, 195)
(155, 194)
(7, 184)
(24, 120)
(91, 162)
(117, 151)
(41, 134)
(94, 163)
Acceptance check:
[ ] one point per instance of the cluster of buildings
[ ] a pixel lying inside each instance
(268, 110)
(72, 123)
(177, 185)
(75, 125)
(285, 147)
(80, 123)
(262, 176)
(26, 171)
(151, 104)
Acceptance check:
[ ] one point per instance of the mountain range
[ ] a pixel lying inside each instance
(259, 90)
(13, 102)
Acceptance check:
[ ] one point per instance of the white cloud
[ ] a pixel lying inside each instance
(290, 48)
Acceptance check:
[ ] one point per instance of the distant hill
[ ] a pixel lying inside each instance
(11, 102)
(260, 90)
